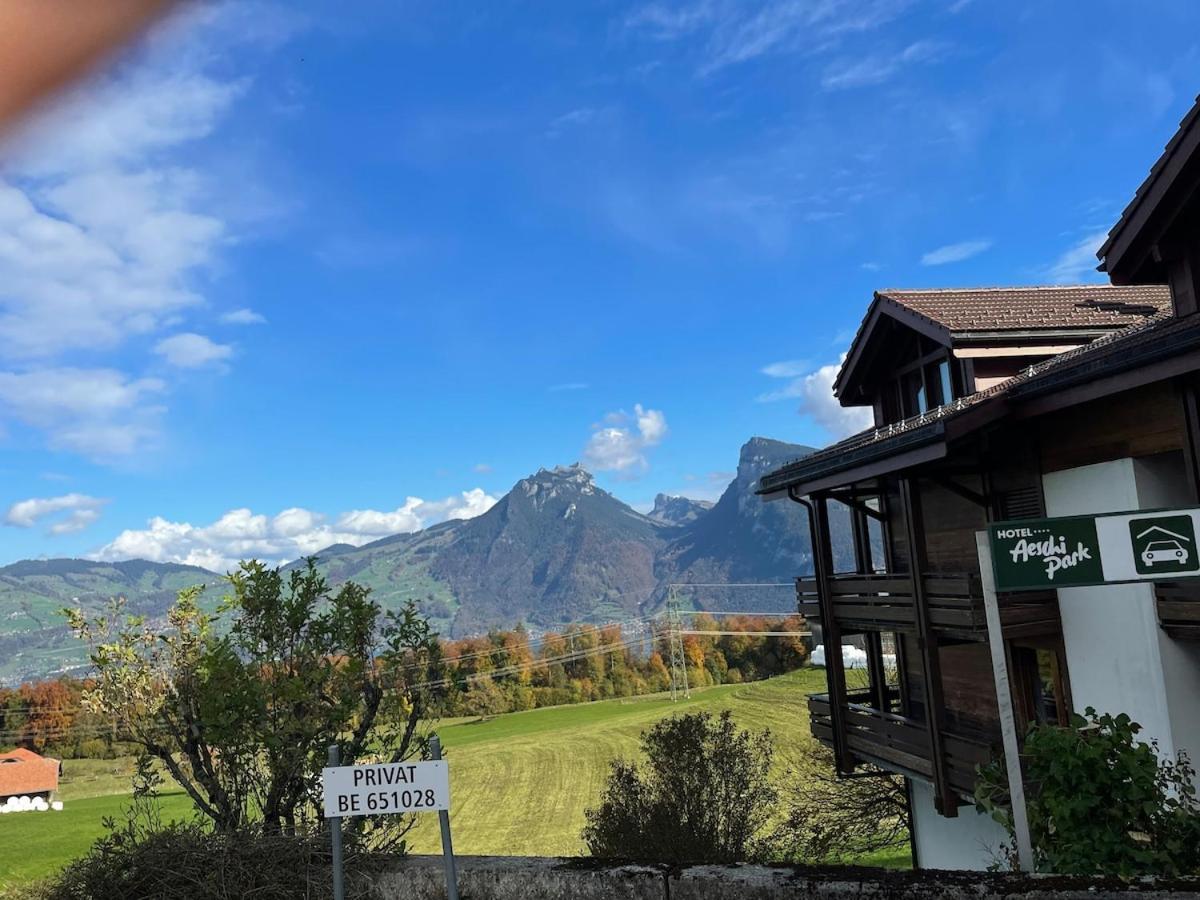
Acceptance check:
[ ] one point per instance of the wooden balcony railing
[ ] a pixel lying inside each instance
(1179, 608)
(885, 603)
(897, 744)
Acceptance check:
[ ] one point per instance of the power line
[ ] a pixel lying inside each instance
(752, 633)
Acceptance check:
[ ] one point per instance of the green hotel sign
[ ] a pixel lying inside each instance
(1075, 551)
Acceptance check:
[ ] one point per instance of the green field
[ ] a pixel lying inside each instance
(519, 782)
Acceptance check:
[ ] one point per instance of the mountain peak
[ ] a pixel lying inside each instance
(760, 455)
(570, 482)
(673, 510)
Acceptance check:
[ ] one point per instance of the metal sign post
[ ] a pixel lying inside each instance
(435, 750)
(387, 789)
(335, 837)
(1008, 722)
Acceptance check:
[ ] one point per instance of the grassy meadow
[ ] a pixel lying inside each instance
(519, 782)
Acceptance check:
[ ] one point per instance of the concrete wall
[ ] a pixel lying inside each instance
(1161, 483)
(970, 841)
(1111, 632)
(518, 878)
(1118, 659)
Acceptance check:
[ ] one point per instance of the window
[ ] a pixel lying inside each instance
(1041, 686)
(946, 381)
(912, 388)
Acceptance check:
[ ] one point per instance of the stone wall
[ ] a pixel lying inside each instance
(529, 878)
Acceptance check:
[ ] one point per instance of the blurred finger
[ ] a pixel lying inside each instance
(47, 44)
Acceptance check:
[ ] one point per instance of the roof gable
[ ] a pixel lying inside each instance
(948, 315)
(1128, 254)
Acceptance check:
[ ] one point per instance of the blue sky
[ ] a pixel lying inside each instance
(287, 274)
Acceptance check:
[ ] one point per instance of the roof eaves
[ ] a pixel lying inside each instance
(1133, 208)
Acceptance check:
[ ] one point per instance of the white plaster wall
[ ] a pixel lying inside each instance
(1162, 482)
(970, 841)
(1118, 658)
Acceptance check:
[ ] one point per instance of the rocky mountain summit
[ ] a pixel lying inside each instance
(672, 510)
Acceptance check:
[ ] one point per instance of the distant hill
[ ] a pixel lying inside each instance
(555, 549)
(33, 638)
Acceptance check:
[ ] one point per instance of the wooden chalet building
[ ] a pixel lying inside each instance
(996, 404)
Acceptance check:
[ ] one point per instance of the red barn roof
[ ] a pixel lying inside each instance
(25, 772)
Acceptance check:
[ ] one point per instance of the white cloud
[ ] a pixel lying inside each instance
(952, 253)
(243, 317)
(732, 33)
(814, 390)
(98, 413)
(871, 70)
(80, 512)
(106, 234)
(569, 386)
(482, 468)
(292, 533)
(189, 350)
(1078, 262)
(790, 368)
(621, 444)
(581, 116)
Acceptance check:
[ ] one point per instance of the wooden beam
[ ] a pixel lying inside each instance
(877, 672)
(1191, 434)
(943, 796)
(855, 504)
(1005, 352)
(831, 634)
(862, 540)
(962, 490)
(884, 466)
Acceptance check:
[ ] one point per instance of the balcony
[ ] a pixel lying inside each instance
(955, 602)
(1179, 608)
(897, 744)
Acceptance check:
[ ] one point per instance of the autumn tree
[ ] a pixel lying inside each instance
(240, 705)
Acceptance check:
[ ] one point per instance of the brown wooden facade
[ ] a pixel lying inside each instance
(979, 396)
(936, 717)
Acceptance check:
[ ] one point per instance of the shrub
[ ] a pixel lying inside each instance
(702, 796)
(194, 863)
(1101, 802)
(830, 819)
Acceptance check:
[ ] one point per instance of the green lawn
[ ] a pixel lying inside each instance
(519, 783)
(38, 844)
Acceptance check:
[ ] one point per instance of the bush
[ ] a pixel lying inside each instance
(703, 796)
(1101, 802)
(830, 819)
(189, 862)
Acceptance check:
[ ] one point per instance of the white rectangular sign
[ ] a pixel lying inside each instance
(385, 788)
(1145, 546)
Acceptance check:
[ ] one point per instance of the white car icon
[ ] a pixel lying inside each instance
(1164, 551)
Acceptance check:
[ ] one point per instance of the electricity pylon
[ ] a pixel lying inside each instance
(679, 680)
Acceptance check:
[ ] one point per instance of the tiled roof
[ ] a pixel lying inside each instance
(1033, 308)
(1158, 336)
(25, 772)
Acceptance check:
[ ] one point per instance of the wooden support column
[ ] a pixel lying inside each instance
(835, 672)
(875, 668)
(864, 565)
(1191, 434)
(931, 670)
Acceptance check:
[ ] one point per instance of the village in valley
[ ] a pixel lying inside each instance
(937, 636)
